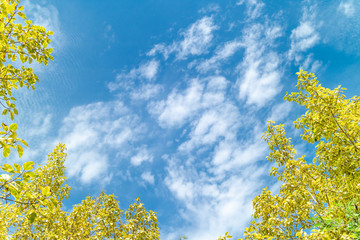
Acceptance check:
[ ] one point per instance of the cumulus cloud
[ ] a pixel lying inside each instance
(260, 71)
(91, 131)
(196, 39)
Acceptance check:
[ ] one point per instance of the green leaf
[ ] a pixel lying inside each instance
(8, 168)
(25, 143)
(5, 127)
(6, 151)
(55, 203)
(26, 176)
(14, 191)
(46, 191)
(17, 168)
(32, 217)
(12, 116)
(13, 127)
(28, 166)
(20, 150)
(5, 111)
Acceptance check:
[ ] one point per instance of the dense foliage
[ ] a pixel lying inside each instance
(318, 198)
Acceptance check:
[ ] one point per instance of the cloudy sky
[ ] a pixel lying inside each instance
(167, 100)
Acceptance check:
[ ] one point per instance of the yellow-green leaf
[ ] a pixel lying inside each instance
(6, 151)
(20, 150)
(28, 166)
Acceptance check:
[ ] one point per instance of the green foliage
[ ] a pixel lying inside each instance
(19, 40)
(321, 195)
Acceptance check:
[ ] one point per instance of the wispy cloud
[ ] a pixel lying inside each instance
(148, 177)
(254, 7)
(195, 40)
(91, 131)
(146, 91)
(142, 155)
(211, 190)
(213, 205)
(304, 37)
(260, 71)
(125, 80)
(347, 8)
(280, 111)
(109, 35)
(221, 54)
(179, 106)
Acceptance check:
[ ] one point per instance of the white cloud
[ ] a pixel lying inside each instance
(40, 125)
(304, 36)
(260, 71)
(280, 111)
(148, 177)
(146, 92)
(216, 189)
(219, 122)
(143, 155)
(91, 132)
(212, 206)
(254, 7)
(147, 71)
(347, 8)
(179, 106)
(233, 155)
(222, 53)
(310, 64)
(196, 40)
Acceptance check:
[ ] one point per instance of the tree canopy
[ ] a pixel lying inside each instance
(319, 197)
(31, 201)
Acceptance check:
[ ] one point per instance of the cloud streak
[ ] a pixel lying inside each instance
(196, 39)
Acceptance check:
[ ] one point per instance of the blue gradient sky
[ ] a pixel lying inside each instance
(167, 100)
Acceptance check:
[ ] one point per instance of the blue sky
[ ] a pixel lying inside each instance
(167, 100)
